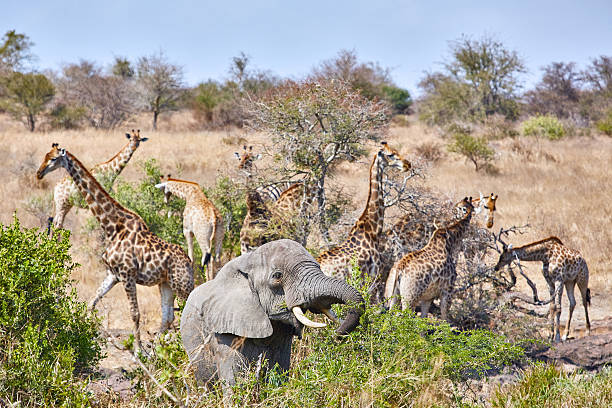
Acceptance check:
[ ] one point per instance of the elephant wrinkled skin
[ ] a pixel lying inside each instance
(248, 311)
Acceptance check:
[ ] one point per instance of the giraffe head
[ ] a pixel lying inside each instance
(162, 186)
(391, 158)
(52, 161)
(135, 137)
(246, 159)
(489, 205)
(506, 257)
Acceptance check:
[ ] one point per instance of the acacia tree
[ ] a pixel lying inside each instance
(314, 127)
(481, 79)
(14, 51)
(159, 84)
(26, 96)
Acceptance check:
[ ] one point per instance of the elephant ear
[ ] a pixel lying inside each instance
(232, 306)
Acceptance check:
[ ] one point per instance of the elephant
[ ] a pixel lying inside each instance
(255, 306)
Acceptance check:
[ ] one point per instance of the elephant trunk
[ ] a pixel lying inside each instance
(325, 291)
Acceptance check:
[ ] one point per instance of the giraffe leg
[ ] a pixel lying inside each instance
(551, 308)
(445, 300)
(425, 305)
(61, 209)
(585, 294)
(189, 238)
(167, 306)
(569, 287)
(557, 316)
(109, 282)
(130, 290)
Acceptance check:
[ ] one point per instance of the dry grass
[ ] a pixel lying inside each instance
(560, 188)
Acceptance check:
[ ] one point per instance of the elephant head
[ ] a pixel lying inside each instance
(262, 295)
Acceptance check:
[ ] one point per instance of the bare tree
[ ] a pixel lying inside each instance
(315, 126)
(159, 84)
(107, 100)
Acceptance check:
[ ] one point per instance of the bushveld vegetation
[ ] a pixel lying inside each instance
(50, 343)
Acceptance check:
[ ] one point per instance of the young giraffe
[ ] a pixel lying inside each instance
(134, 254)
(255, 224)
(430, 272)
(362, 243)
(560, 266)
(408, 235)
(65, 190)
(200, 219)
(266, 221)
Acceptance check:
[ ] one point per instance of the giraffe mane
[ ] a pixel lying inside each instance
(102, 190)
(551, 238)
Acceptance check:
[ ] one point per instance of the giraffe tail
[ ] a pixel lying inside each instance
(588, 296)
(206, 259)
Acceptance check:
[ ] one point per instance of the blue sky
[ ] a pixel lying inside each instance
(289, 37)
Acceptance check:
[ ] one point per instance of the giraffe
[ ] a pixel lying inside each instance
(411, 233)
(268, 220)
(255, 224)
(362, 243)
(200, 219)
(134, 255)
(561, 266)
(65, 190)
(430, 272)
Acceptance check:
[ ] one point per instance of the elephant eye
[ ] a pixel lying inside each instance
(277, 275)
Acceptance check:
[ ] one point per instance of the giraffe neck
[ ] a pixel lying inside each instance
(115, 166)
(537, 251)
(255, 204)
(183, 189)
(451, 236)
(372, 218)
(107, 211)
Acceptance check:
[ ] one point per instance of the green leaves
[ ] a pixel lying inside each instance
(46, 333)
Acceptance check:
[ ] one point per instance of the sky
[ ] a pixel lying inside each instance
(289, 38)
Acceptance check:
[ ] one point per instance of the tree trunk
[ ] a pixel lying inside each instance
(155, 115)
(321, 202)
(31, 122)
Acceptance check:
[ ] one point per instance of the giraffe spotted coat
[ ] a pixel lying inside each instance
(134, 255)
(561, 266)
(201, 219)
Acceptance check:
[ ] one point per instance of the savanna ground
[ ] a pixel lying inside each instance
(559, 188)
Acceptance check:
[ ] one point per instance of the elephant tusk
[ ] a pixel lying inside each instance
(297, 311)
(332, 316)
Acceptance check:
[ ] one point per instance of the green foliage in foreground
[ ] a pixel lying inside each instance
(543, 126)
(46, 334)
(544, 386)
(392, 359)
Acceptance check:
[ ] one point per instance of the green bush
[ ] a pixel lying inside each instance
(230, 199)
(605, 124)
(392, 359)
(46, 334)
(148, 202)
(543, 126)
(474, 149)
(66, 117)
(546, 387)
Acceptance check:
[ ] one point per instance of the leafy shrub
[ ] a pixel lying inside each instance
(230, 199)
(605, 124)
(543, 126)
(392, 359)
(46, 333)
(474, 149)
(66, 117)
(547, 387)
(148, 202)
